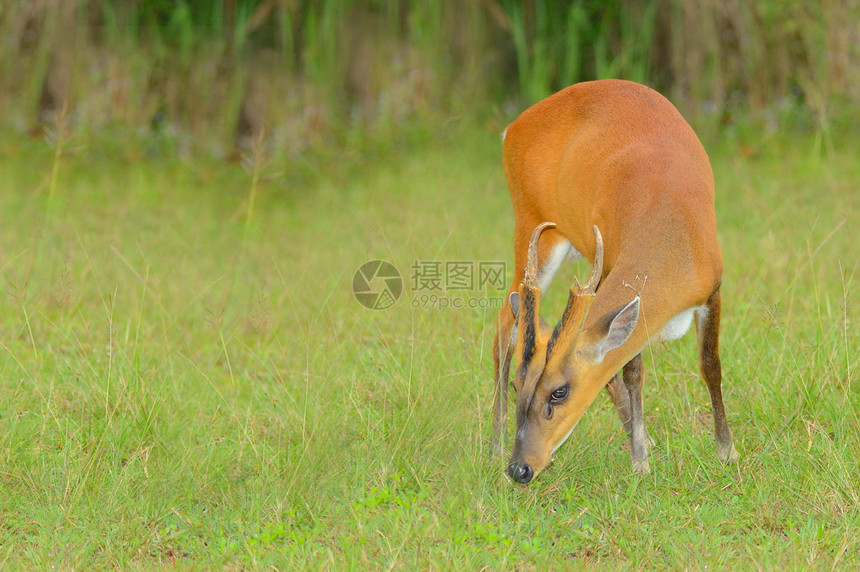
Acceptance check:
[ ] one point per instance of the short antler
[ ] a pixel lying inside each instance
(530, 277)
(597, 266)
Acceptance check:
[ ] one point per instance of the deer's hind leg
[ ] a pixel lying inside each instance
(708, 328)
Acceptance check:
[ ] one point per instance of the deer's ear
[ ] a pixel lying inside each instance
(612, 331)
(515, 303)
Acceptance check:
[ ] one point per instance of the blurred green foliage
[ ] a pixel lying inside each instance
(303, 73)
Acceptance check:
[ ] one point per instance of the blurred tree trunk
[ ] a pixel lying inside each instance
(229, 11)
(56, 92)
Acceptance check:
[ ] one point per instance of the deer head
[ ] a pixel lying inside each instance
(559, 371)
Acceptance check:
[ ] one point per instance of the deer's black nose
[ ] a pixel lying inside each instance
(521, 472)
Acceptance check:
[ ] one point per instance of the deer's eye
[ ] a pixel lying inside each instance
(559, 394)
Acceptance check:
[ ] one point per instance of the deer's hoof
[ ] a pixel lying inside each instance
(728, 454)
(641, 467)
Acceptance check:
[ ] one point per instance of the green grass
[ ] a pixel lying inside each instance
(187, 381)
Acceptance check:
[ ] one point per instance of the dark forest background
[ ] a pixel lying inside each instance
(217, 75)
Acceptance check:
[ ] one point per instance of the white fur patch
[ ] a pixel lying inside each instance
(701, 316)
(559, 252)
(573, 254)
(678, 326)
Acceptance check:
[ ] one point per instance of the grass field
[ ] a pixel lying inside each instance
(186, 378)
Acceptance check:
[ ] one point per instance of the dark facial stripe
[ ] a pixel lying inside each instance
(528, 325)
(560, 327)
(570, 322)
(528, 338)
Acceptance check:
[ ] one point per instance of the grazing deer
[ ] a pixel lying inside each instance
(617, 158)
